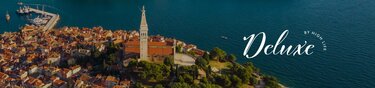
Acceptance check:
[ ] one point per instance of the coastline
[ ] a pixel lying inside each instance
(89, 37)
(73, 52)
(283, 86)
(341, 22)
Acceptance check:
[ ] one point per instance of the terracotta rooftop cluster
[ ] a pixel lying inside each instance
(31, 57)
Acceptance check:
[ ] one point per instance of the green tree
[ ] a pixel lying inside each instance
(144, 64)
(188, 78)
(158, 86)
(180, 79)
(231, 58)
(244, 74)
(179, 48)
(142, 75)
(153, 72)
(195, 71)
(112, 59)
(217, 54)
(223, 80)
(206, 56)
(271, 82)
(169, 61)
(166, 70)
(208, 85)
(254, 81)
(96, 53)
(133, 64)
(209, 71)
(138, 85)
(201, 62)
(180, 85)
(241, 72)
(204, 80)
(236, 81)
(250, 66)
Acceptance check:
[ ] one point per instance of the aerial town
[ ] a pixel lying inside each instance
(40, 56)
(31, 56)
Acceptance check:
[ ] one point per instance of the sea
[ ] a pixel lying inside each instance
(347, 28)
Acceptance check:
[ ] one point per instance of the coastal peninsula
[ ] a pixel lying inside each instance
(95, 57)
(71, 57)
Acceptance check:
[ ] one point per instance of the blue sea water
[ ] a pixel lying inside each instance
(347, 26)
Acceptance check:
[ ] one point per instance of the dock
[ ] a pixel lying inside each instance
(51, 23)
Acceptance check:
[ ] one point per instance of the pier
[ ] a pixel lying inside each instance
(51, 22)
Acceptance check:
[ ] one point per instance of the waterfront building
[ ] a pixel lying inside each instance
(153, 48)
(157, 46)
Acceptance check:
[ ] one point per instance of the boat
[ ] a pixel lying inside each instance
(20, 11)
(224, 37)
(46, 17)
(39, 21)
(7, 16)
(26, 9)
(20, 3)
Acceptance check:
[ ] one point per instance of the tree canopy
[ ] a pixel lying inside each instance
(169, 61)
(231, 58)
(180, 85)
(217, 54)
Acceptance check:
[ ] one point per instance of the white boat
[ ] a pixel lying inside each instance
(20, 3)
(7, 16)
(20, 11)
(224, 37)
(37, 21)
(40, 21)
(26, 9)
(46, 17)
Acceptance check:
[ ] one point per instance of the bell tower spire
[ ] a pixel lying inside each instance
(143, 36)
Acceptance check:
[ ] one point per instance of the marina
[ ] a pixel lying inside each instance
(45, 20)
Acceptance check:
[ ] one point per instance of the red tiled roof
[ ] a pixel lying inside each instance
(154, 48)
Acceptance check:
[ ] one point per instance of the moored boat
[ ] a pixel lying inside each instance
(20, 3)
(7, 16)
(20, 11)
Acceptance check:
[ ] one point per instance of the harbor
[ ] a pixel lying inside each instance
(347, 26)
(44, 21)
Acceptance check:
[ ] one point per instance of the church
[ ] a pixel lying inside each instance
(146, 47)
